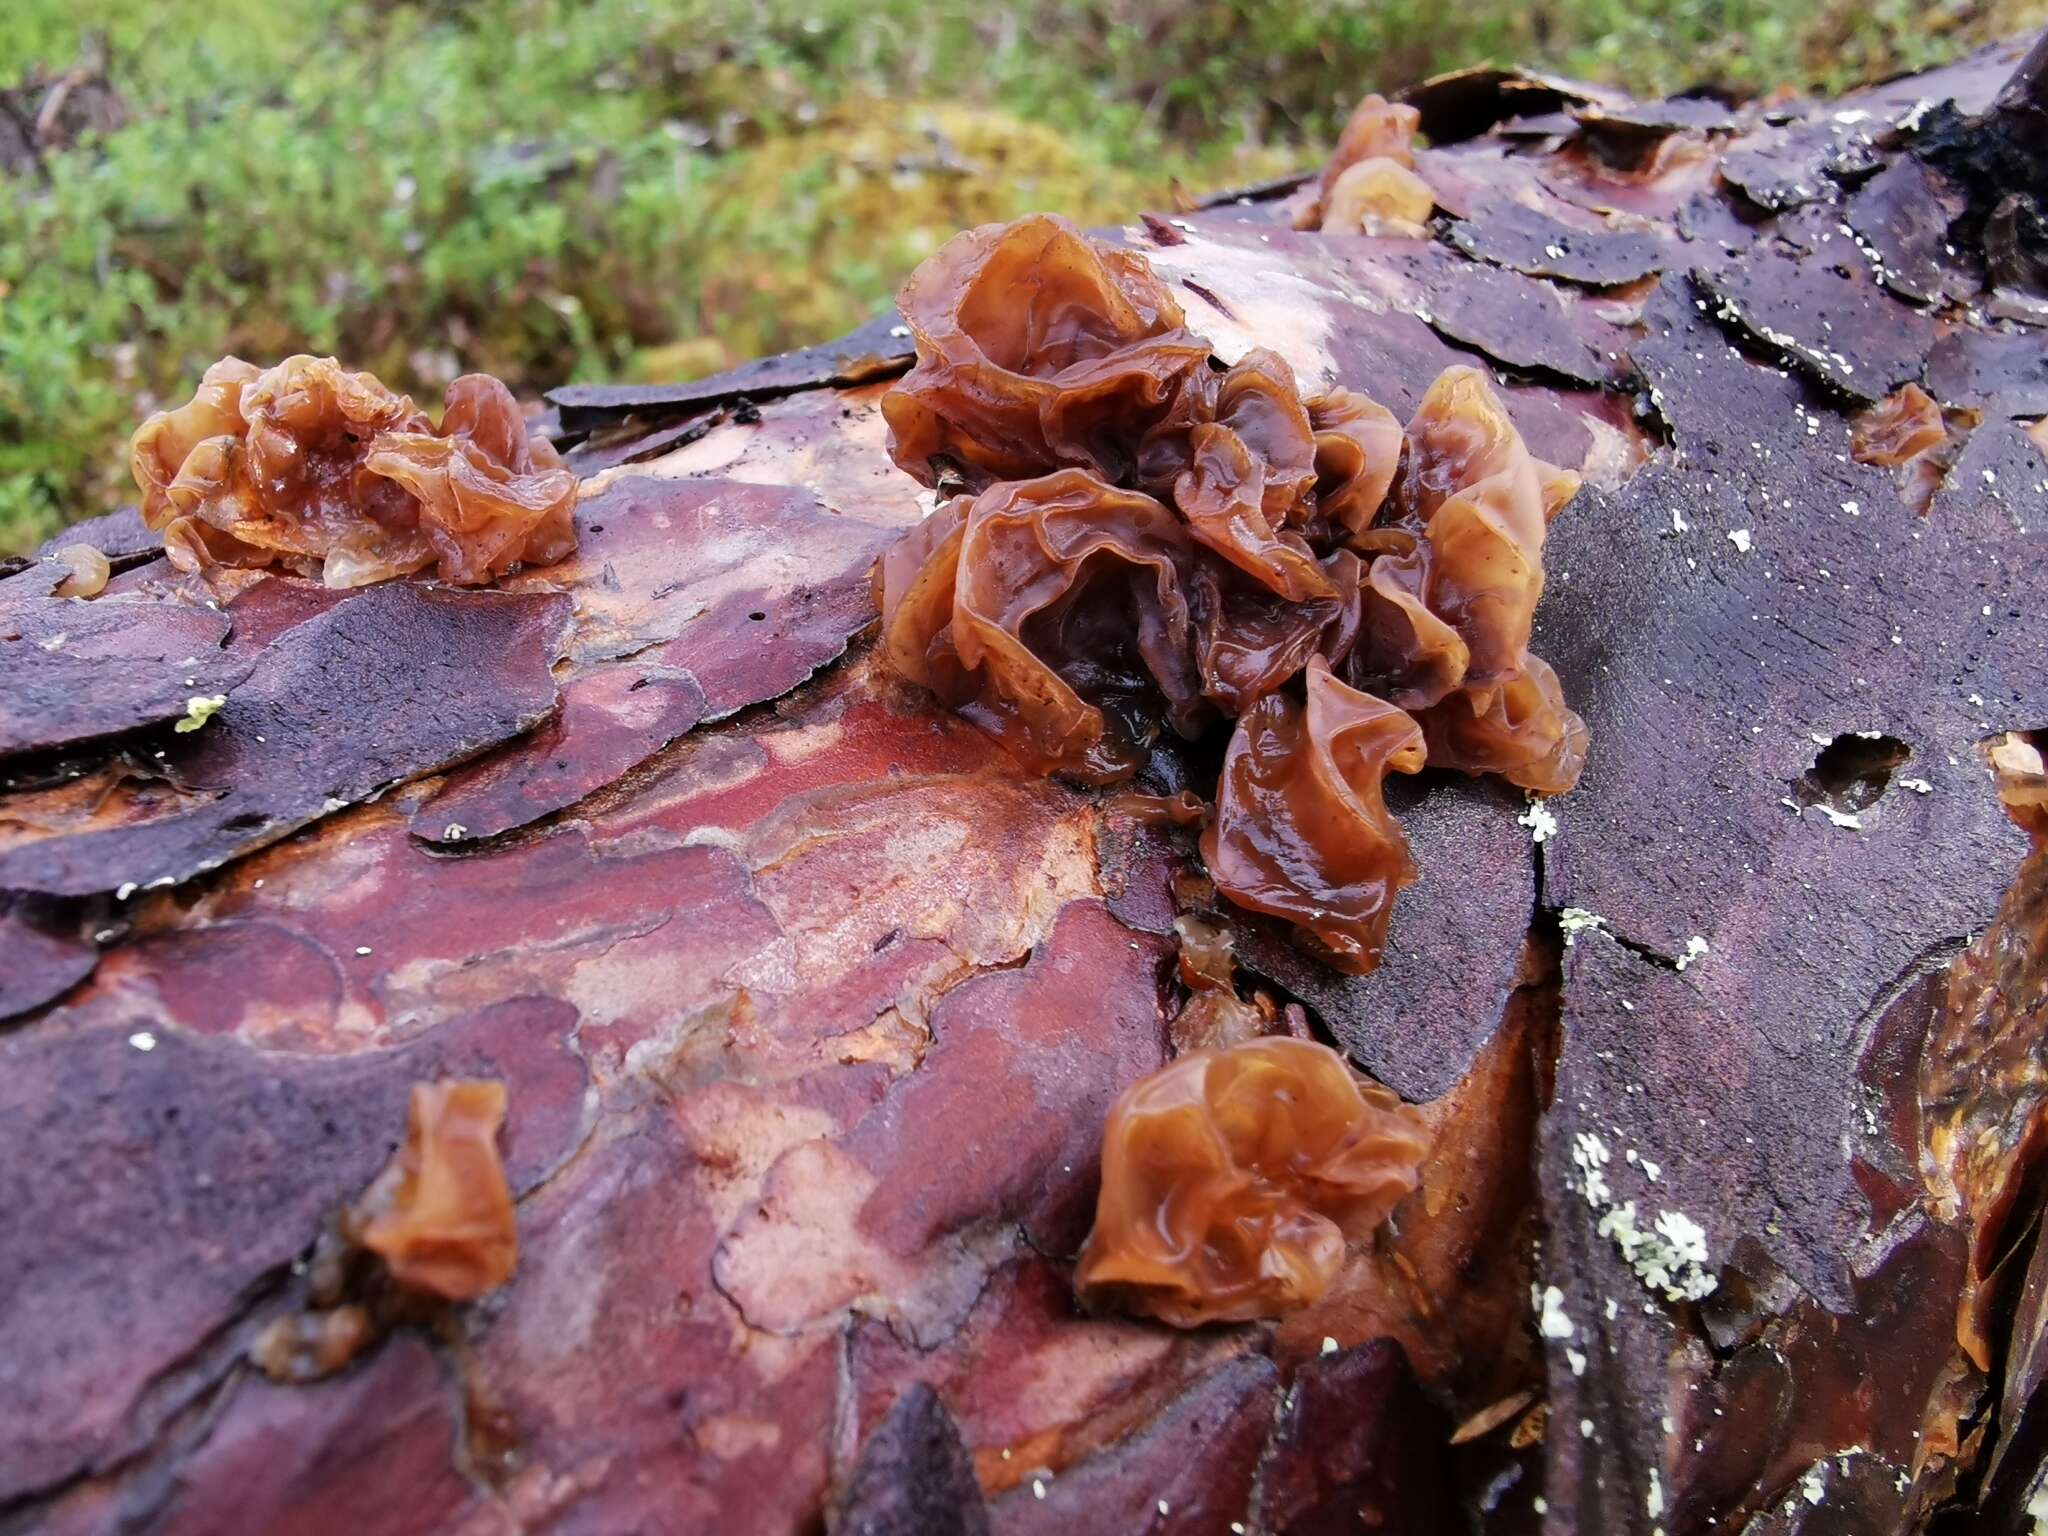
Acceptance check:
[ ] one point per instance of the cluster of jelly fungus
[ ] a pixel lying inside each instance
(1150, 542)
(1233, 1179)
(440, 1216)
(325, 472)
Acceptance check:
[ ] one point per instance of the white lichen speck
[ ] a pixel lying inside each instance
(1551, 1320)
(1814, 1486)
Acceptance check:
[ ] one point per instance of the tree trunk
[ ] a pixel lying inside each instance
(810, 1004)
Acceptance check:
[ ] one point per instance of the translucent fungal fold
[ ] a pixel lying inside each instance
(1232, 1180)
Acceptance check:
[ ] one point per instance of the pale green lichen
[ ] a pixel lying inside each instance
(199, 709)
(1574, 921)
(1670, 1258)
(1590, 1155)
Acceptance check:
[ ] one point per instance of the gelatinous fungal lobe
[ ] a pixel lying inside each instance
(1378, 129)
(1450, 599)
(1232, 1180)
(1037, 349)
(1378, 197)
(490, 495)
(1906, 431)
(2016, 761)
(1521, 729)
(1250, 640)
(1051, 612)
(1302, 830)
(1358, 453)
(1222, 495)
(85, 571)
(1370, 174)
(326, 471)
(440, 1215)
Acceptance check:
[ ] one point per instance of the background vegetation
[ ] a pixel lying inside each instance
(555, 189)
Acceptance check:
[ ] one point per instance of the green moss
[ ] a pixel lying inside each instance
(551, 189)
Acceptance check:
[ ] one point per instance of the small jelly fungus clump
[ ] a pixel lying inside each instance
(1378, 197)
(1451, 598)
(1232, 1180)
(1004, 604)
(1151, 543)
(1907, 431)
(85, 571)
(327, 472)
(440, 1215)
(1380, 138)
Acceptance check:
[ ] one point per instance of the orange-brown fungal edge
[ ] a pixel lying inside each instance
(1378, 196)
(1037, 350)
(1377, 129)
(1232, 1180)
(325, 471)
(1302, 829)
(1906, 431)
(440, 1215)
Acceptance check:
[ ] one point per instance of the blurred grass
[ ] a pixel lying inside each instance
(557, 189)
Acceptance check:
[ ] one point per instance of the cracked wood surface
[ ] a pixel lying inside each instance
(810, 1003)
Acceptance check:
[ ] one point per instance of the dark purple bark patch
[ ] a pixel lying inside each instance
(81, 669)
(1466, 102)
(1902, 214)
(1830, 321)
(1513, 235)
(2003, 373)
(914, 1477)
(397, 681)
(874, 351)
(1357, 1446)
(1191, 1469)
(1789, 167)
(41, 956)
(1660, 119)
(229, 1159)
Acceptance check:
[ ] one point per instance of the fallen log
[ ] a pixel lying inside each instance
(809, 1003)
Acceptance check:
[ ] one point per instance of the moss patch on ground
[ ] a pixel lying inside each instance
(558, 189)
